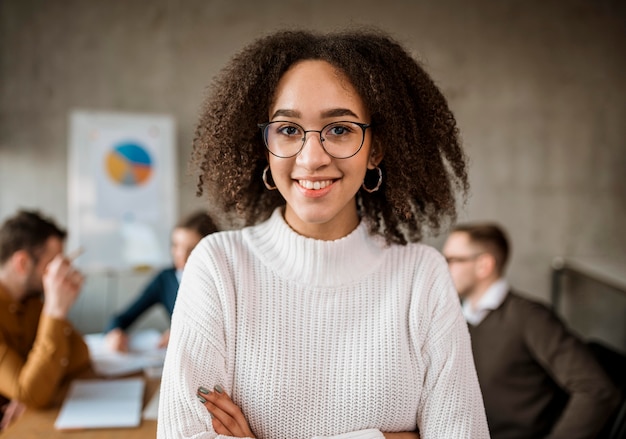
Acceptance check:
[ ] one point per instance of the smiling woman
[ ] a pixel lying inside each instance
(325, 316)
(319, 188)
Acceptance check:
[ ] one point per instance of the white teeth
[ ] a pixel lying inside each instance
(315, 185)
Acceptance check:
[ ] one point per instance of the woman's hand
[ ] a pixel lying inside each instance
(228, 419)
(403, 435)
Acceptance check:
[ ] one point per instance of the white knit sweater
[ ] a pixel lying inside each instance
(320, 338)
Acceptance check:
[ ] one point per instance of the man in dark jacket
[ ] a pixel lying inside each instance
(538, 380)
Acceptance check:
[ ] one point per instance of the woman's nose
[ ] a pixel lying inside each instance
(313, 155)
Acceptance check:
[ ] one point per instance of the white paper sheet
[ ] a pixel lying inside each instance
(152, 408)
(143, 354)
(102, 404)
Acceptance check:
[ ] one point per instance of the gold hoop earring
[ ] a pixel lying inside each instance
(267, 185)
(380, 181)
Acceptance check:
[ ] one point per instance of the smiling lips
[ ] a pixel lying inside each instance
(315, 185)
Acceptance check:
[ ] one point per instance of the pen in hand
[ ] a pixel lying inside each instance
(62, 284)
(76, 253)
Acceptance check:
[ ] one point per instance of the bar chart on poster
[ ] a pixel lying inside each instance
(121, 189)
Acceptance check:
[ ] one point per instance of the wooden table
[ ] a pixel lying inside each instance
(36, 424)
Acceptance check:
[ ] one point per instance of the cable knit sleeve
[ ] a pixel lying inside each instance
(196, 354)
(451, 404)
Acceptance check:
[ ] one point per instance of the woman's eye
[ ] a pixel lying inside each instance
(289, 130)
(338, 130)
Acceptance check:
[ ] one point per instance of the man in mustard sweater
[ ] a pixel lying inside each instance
(39, 348)
(538, 380)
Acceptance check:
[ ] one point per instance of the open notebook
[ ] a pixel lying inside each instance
(102, 404)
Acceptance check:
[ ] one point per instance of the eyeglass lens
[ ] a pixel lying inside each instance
(341, 139)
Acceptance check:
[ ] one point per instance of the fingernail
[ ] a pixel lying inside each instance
(202, 400)
(218, 388)
(203, 390)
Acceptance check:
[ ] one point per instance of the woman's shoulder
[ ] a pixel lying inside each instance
(221, 241)
(421, 253)
(227, 244)
(422, 263)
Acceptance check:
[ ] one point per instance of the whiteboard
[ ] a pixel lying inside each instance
(121, 189)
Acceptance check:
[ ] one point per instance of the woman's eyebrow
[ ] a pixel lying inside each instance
(286, 113)
(335, 112)
(338, 112)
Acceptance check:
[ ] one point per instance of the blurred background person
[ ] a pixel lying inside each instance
(39, 347)
(164, 286)
(537, 379)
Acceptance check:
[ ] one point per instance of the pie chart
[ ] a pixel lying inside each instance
(129, 164)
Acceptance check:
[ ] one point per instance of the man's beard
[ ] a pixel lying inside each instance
(34, 285)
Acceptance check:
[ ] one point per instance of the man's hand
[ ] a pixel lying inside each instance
(61, 285)
(228, 419)
(10, 412)
(116, 340)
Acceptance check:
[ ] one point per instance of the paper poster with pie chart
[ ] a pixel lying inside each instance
(127, 175)
(122, 188)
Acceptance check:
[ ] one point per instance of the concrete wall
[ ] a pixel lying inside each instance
(537, 86)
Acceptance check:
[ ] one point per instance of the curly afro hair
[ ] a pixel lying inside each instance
(423, 164)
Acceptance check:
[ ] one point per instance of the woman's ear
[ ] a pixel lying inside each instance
(376, 156)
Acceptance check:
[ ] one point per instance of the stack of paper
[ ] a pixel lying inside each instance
(143, 353)
(102, 404)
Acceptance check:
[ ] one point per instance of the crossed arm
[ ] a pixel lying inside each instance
(229, 420)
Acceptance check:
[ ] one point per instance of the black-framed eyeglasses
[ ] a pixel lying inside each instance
(341, 139)
(460, 259)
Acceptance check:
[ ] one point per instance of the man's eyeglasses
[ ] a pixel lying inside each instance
(340, 140)
(461, 259)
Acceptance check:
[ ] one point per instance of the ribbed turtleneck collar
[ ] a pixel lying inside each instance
(312, 261)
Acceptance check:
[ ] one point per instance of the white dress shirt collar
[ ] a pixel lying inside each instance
(492, 299)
